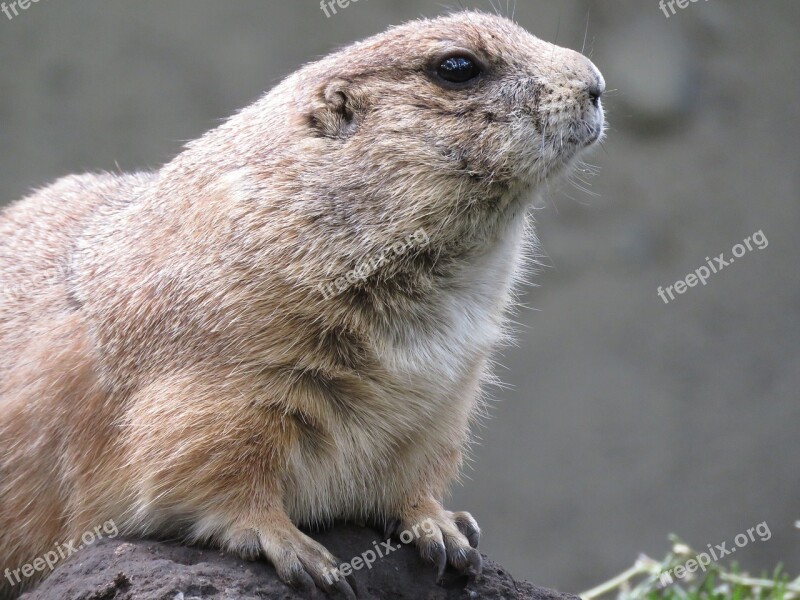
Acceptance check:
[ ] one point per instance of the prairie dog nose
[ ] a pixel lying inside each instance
(582, 77)
(596, 89)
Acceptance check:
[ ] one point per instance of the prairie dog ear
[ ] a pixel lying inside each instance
(337, 110)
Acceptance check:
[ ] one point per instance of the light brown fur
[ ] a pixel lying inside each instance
(167, 359)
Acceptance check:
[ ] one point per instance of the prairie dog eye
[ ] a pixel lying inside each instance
(458, 68)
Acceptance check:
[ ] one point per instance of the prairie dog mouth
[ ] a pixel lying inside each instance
(594, 127)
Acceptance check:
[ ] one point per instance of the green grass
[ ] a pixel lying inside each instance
(645, 581)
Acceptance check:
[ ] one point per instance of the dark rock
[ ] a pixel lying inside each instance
(151, 570)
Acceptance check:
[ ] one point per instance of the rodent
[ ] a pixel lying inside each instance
(168, 361)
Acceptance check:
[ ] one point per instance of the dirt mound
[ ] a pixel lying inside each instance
(150, 570)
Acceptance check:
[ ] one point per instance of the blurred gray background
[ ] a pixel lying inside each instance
(626, 418)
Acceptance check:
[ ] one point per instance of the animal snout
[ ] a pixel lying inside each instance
(595, 89)
(593, 83)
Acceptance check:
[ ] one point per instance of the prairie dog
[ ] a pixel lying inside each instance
(169, 361)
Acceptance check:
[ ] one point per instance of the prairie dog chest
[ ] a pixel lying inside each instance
(441, 351)
(420, 404)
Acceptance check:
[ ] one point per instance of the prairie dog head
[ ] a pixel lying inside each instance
(442, 117)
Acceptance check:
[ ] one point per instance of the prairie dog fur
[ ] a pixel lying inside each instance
(168, 361)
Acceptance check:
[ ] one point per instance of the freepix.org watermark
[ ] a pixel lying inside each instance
(365, 268)
(756, 241)
(378, 550)
(702, 559)
(664, 4)
(61, 552)
(329, 6)
(11, 9)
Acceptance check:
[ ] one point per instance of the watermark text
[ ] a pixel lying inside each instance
(60, 552)
(702, 559)
(366, 267)
(379, 550)
(756, 241)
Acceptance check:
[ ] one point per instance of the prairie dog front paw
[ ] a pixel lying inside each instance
(443, 537)
(298, 560)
